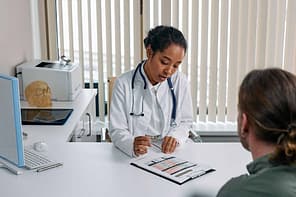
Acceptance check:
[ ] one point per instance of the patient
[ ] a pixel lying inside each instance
(267, 128)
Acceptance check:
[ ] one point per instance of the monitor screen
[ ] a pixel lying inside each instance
(11, 141)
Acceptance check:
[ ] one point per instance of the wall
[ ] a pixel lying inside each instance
(16, 43)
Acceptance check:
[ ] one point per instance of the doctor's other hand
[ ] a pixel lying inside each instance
(169, 144)
(141, 144)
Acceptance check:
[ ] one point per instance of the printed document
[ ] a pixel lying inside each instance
(171, 167)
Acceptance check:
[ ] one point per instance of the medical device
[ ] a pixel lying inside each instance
(132, 113)
(64, 79)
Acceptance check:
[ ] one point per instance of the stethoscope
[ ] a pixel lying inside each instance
(132, 113)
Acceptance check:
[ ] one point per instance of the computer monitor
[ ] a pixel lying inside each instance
(11, 142)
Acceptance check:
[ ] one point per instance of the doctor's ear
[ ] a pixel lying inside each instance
(149, 52)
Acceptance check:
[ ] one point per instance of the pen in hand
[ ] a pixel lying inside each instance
(156, 145)
(156, 141)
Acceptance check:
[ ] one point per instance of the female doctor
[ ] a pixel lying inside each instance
(154, 99)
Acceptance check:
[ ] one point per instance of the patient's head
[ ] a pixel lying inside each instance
(38, 94)
(268, 100)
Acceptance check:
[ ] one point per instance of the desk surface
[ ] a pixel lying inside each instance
(60, 133)
(100, 169)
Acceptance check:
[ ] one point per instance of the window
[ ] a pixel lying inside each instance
(227, 38)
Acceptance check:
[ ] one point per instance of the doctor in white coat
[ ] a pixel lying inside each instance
(154, 99)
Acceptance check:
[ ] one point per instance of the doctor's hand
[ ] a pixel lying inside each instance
(169, 144)
(141, 144)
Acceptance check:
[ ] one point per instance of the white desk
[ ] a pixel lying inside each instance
(84, 103)
(99, 169)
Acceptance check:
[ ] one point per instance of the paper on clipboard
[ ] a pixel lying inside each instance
(171, 167)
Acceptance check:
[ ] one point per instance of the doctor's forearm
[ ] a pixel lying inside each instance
(123, 141)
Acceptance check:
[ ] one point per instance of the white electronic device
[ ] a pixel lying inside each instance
(11, 144)
(64, 80)
(11, 140)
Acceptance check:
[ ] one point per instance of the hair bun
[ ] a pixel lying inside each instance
(146, 41)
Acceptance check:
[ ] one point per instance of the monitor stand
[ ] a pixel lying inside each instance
(10, 168)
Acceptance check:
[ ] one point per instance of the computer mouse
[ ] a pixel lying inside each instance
(40, 146)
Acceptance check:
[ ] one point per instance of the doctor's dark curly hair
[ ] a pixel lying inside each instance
(268, 98)
(161, 37)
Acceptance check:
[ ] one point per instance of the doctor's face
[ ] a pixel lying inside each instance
(163, 64)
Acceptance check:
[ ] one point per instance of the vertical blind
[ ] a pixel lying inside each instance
(226, 39)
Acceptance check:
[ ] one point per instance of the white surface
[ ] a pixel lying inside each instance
(60, 133)
(216, 128)
(99, 169)
(16, 34)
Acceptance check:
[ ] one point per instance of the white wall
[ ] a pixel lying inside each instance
(16, 43)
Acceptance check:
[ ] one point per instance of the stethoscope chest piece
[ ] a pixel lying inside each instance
(173, 123)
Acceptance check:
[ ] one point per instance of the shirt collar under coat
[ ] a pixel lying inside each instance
(259, 164)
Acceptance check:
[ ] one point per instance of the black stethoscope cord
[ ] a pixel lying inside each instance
(174, 111)
(132, 113)
(134, 76)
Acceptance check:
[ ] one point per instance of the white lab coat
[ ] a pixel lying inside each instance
(124, 127)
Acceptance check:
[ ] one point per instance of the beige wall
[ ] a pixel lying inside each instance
(16, 43)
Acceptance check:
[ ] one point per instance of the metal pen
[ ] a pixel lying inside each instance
(155, 141)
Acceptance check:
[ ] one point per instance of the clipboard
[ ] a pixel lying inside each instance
(171, 167)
